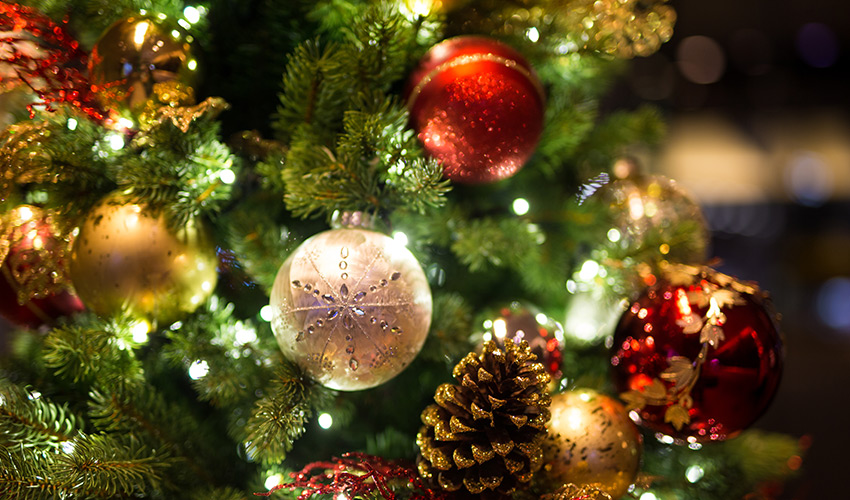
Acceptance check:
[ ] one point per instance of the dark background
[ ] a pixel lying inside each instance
(784, 76)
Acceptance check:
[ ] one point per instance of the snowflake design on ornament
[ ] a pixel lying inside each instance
(342, 311)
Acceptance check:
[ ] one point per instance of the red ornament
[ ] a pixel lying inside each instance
(697, 356)
(477, 106)
(34, 288)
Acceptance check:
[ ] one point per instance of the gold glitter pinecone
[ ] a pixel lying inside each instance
(484, 437)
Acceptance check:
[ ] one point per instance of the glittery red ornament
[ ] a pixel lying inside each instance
(697, 356)
(477, 106)
(34, 289)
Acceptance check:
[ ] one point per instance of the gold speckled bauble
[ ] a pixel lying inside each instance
(591, 442)
(652, 219)
(352, 307)
(127, 259)
(135, 53)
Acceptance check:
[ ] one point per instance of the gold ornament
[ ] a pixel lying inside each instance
(135, 53)
(591, 442)
(484, 435)
(126, 259)
(352, 307)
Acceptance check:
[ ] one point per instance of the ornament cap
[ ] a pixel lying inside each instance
(352, 219)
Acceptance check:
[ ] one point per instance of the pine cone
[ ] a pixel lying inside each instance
(485, 435)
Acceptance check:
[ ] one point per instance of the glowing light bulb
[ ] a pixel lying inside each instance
(266, 313)
(139, 33)
(198, 369)
(192, 14)
(401, 238)
(325, 420)
(140, 330)
(520, 206)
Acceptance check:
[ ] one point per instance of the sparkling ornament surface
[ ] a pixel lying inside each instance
(517, 322)
(134, 54)
(352, 307)
(591, 442)
(477, 107)
(697, 356)
(34, 288)
(127, 259)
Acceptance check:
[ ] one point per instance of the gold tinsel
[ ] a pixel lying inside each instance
(620, 28)
(484, 436)
(174, 101)
(22, 161)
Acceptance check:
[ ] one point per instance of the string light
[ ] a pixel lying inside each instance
(694, 473)
(273, 480)
(520, 206)
(400, 238)
(266, 313)
(192, 14)
(325, 420)
(140, 330)
(198, 369)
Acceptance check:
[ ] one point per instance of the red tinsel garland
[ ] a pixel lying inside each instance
(42, 55)
(356, 474)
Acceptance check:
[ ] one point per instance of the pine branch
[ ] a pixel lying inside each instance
(145, 416)
(111, 467)
(616, 133)
(27, 475)
(278, 418)
(377, 165)
(29, 421)
(227, 348)
(484, 242)
(450, 327)
(189, 173)
(381, 40)
(219, 494)
(64, 156)
(95, 351)
(313, 92)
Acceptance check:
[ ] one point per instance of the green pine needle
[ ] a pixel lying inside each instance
(30, 421)
(93, 350)
(278, 419)
(110, 467)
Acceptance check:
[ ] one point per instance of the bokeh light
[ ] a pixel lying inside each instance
(817, 45)
(700, 59)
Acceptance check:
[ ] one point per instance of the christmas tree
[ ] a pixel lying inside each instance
(325, 250)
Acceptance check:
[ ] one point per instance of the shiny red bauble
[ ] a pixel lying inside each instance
(34, 290)
(697, 356)
(477, 107)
